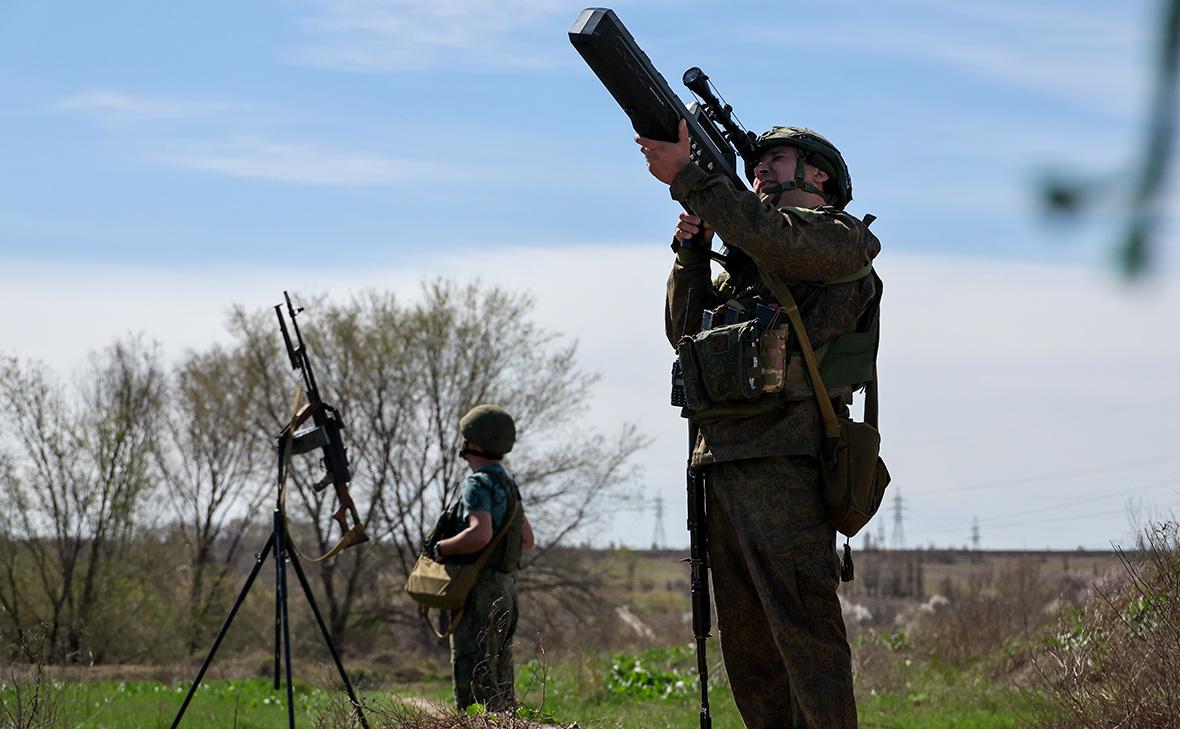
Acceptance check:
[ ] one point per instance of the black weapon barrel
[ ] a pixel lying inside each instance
(627, 73)
(698, 557)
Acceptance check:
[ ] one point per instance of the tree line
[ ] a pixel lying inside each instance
(133, 499)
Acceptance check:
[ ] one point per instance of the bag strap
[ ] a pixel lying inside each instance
(504, 529)
(831, 424)
(455, 618)
(478, 566)
(783, 293)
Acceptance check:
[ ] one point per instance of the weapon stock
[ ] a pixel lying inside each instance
(325, 434)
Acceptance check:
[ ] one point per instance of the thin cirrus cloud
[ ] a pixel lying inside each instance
(110, 107)
(257, 157)
(294, 163)
(402, 35)
(1096, 62)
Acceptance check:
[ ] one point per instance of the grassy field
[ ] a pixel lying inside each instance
(588, 692)
(912, 673)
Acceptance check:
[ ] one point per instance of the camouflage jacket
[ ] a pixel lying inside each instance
(804, 246)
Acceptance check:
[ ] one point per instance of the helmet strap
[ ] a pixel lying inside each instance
(799, 183)
(467, 450)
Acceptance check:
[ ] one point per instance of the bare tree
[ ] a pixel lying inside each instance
(210, 458)
(402, 375)
(82, 467)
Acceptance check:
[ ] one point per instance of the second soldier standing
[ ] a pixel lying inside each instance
(489, 502)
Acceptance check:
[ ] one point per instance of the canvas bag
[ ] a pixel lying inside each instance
(854, 476)
(446, 586)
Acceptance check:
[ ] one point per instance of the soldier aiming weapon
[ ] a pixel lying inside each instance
(717, 141)
(776, 466)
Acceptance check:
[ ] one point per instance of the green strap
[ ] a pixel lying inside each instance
(858, 275)
(831, 424)
(787, 302)
(862, 273)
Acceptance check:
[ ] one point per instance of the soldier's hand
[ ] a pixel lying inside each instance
(690, 225)
(666, 159)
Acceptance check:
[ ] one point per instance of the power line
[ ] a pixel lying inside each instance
(1061, 475)
(1078, 517)
(1042, 509)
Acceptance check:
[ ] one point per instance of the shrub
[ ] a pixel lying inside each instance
(1113, 662)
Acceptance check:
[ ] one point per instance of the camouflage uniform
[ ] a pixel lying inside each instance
(771, 547)
(481, 646)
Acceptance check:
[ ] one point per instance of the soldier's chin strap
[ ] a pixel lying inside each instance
(799, 183)
(466, 450)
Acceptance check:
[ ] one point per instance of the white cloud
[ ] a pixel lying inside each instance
(1006, 387)
(111, 107)
(290, 162)
(397, 35)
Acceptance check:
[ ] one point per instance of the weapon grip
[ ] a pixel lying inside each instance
(696, 242)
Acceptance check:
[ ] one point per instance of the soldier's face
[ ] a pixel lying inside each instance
(777, 164)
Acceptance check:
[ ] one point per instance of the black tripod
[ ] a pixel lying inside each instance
(278, 541)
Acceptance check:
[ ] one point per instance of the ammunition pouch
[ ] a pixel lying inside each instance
(729, 373)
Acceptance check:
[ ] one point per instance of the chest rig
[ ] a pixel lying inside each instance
(745, 361)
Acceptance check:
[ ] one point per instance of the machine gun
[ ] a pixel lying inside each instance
(323, 434)
(655, 111)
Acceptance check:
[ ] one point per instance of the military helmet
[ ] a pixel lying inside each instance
(490, 427)
(816, 150)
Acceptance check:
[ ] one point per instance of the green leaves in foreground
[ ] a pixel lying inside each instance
(654, 674)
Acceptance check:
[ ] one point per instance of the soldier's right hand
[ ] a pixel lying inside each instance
(689, 225)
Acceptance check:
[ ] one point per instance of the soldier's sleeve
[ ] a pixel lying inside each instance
(476, 496)
(796, 243)
(689, 292)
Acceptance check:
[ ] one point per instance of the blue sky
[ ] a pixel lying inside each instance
(188, 133)
(162, 161)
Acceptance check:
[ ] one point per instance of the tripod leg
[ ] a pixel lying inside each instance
(281, 559)
(225, 627)
(315, 609)
(278, 528)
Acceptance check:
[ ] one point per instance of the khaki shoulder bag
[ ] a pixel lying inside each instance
(446, 586)
(854, 476)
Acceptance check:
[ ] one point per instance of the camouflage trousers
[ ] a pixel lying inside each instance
(481, 647)
(775, 572)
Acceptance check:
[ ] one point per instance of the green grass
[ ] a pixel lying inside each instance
(577, 690)
(945, 698)
(246, 704)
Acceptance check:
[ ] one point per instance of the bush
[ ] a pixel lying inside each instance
(1113, 661)
(655, 674)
